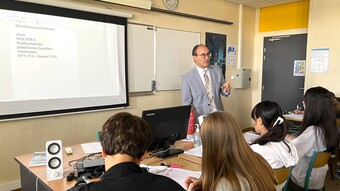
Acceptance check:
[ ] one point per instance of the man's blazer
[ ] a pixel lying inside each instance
(193, 90)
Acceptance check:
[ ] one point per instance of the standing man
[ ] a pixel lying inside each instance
(203, 86)
(125, 139)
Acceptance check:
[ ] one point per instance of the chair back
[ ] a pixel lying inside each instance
(247, 129)
(319, 159)
(98, 135)
(282, 175)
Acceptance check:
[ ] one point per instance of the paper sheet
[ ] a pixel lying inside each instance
(195, 151)
(38, 159)
(90, 148)
(179, 175)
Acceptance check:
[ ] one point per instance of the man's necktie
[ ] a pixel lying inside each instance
(209, 91)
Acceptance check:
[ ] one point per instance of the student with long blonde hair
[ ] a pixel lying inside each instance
(228, 163)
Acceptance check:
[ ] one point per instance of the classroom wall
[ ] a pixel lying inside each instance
(24, 136)
(323, 32)
(286, 19)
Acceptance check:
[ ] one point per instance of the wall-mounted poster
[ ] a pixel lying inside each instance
(299, 67)
(217, 46)
(319, 60)
(231, 55)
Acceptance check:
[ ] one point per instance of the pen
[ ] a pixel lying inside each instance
(171, 165)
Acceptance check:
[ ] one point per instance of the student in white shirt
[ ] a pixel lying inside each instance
(228, 163)
(318, 133)
(273, 145)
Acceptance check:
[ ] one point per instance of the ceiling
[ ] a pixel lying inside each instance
(262, 3)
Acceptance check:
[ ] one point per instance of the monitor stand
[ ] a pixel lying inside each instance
(167, 151)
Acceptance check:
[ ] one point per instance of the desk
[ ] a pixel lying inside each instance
(186, 164)
(294, 122)
(191, 158)
(28, 175)
(294, 117)
(299, 118)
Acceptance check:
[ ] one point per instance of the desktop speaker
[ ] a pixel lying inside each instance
(54, 160)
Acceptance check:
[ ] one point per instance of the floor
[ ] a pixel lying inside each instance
(333, 185)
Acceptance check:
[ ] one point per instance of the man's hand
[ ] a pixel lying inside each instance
(226, 87)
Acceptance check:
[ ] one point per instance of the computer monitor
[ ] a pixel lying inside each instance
(167, 126)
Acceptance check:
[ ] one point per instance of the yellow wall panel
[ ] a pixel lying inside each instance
(284, 17)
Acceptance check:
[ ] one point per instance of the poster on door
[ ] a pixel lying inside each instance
(299, 67)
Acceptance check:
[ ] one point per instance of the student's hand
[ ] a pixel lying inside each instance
(95, 179)
(226, 87)
(297, 111)
(291, 137)
(192, 183)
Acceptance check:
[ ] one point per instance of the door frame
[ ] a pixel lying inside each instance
(258, 60)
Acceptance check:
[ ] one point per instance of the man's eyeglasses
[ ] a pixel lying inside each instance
(203, 55)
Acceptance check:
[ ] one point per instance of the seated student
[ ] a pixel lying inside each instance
(318, 133)
(125, 139)
(228, 163)
(273, 145)
(336, 104)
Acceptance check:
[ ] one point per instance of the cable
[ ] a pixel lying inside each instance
(36, 181)
(77, 166)
(87, 157)
(153, 154)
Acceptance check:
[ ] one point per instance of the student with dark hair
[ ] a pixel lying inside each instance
(228, 163)
(318, 133)
(336, 104)
(273, 145)
(125, 139)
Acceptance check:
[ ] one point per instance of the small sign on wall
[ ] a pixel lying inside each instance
(231, 56)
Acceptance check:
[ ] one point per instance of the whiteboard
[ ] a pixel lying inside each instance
(141, 70)
(158, 54)
(174, 56)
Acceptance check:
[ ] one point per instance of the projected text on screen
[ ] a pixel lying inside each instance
(51, 63)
